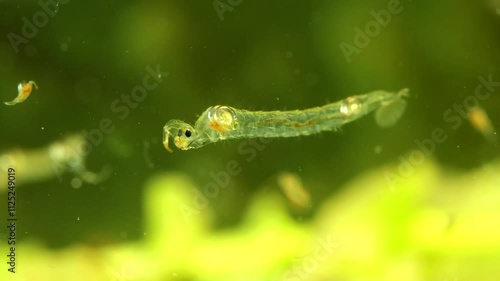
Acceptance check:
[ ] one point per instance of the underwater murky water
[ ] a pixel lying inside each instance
(320, 140)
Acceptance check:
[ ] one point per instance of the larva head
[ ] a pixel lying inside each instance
(182, 133)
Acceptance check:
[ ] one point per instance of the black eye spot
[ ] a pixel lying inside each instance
(179, 133)
(188, 133)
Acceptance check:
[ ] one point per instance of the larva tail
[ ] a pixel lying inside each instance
(389, 114)
(11, 102)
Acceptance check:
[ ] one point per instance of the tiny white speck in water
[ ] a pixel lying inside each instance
(43, 128)
(378, 149)
(277, 98)
(78, 218)
(458, 146)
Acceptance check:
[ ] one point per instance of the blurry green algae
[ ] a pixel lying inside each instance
(432, 225)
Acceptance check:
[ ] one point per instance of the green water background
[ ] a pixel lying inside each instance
(262, 56)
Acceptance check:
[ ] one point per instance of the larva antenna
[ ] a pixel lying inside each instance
(166, 136)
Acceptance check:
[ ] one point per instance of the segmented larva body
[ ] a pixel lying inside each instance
(219, 123)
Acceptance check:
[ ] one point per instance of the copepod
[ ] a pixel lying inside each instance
(23, 91)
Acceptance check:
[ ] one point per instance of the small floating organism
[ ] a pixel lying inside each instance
(23, 91)
(298, 196)
(482, 123)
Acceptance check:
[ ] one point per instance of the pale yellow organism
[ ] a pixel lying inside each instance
(481, 123)
(23, 91)
(295, 192)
